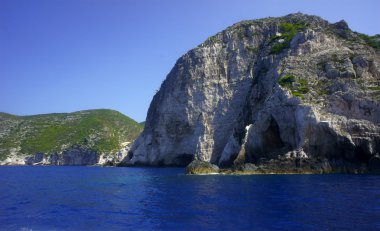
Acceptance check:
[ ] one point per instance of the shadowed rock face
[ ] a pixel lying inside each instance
(73, 156)
(294, 92)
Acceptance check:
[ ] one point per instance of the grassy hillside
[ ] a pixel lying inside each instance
(102, 130)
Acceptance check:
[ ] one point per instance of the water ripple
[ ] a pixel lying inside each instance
(79, 198)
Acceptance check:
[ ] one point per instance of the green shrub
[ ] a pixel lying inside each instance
(278, 47)
(302, 82)
(298, 94)
(322, 92)
(377, 88)
(303, 89)
(288, 31)
(286, 80)
(372, 41)
(273, 39)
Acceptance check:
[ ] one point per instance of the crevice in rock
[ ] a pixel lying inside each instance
(271, 137)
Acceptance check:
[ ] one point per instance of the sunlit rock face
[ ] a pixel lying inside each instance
(294, 92)
(71, 156)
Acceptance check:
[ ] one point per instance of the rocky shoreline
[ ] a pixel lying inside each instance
(197, 167)
(70, 157)
(294, 166)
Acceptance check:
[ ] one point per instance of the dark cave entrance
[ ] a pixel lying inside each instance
(183, 159)
(271, 138)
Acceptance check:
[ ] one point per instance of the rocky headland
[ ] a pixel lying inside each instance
(294, 94)
(91, 137)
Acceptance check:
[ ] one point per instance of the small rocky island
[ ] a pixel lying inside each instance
(294, 94)
(91, 137)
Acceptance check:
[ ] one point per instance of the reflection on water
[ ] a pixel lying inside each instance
(77, 198)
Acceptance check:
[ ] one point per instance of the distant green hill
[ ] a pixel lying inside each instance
(103, 131)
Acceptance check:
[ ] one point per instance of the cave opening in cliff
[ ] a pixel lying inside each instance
(362, 154)
(271, 137)
(184, 159)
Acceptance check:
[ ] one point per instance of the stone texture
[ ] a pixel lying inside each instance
(326, 120)
(197, 167)
(114, 159)
(71, 156)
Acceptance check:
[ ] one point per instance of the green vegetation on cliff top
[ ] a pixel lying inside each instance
(287, 81)
(288, 30)
(373, 41)
(102, 131)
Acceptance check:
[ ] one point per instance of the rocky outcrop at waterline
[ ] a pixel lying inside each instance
(198, 167)
(295, 93)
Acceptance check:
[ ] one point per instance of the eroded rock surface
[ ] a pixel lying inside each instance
(75, 156)
(293, 94)
(197, 167)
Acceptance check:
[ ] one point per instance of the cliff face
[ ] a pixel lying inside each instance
(282, 93)
(80, 138)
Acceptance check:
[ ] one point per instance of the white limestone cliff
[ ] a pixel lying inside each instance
(309, 91)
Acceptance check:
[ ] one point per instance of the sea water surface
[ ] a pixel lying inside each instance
(99, 198)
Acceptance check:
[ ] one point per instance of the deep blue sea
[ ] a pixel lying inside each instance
(99, 198)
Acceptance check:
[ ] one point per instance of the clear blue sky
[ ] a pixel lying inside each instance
(69, 55)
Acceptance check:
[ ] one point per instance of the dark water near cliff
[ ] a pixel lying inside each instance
(95, 198)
